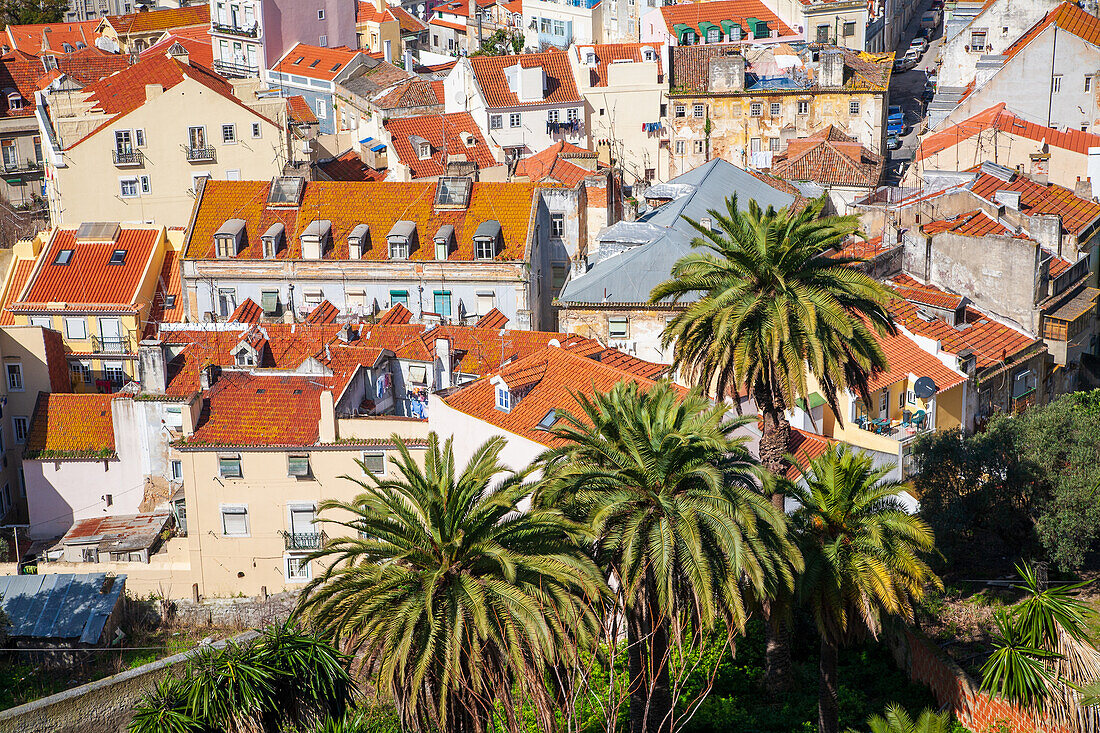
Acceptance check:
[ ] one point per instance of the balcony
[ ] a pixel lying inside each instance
(227, 29)
(200, 155)
(112, 345)
(900, 430)
(304, 540)
(18, 167)
(128, 158)
(235, 70)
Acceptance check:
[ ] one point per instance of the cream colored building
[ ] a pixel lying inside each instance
(122, 149)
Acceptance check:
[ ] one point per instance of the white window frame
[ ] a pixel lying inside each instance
(139, 138)
(557, 225)
(20, 424)
(884, 401)
(122, 184)
(302, 562)
(756, 109)
(698, 111)
(235, 509)
(496, 122)
(515, 119)
(257, 130)
(18, 374)
(70, 321)
(230, 128)
(503, 398)
(1056, 83)
(373, 454)
(320, 107)
(803, 106)
(853, 106)
(618, 333)
(775, 109)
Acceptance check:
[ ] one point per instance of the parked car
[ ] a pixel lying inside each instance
(937, 5)
(911, 57)
(930, 20)
(893, 142)
(895, 128)
(919, 44)
(894, 113)
(905, 63)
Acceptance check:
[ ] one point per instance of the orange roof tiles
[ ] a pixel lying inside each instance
(409, 24)
(552, 165)
(56, 364)
(905, 357)
(71, 426)
(198, 46)
(161, 20)
(492, 319)
(447, 138)
(972, 224)
(716, 11)
(248, 410)
(448, 24)
(20, 275)
(167, 304)
(246, 312)
(1078, 214)
(315, 62)
(347, 204)
(992, 342)
(300, 111)
(325, 312)
(805, 447)
(89, 280)
(411, 93)
(51, 36)
(998, 118)
(1067, 17)
(395, 315)
(490, 75)
(831, 158)
(861, 249)
(547, 378)
(349, 166)
(608, 53)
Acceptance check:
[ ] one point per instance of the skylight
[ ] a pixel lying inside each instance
(453, 193)
(300, 60)
(64, 257)
(548, 420)
(315, 62)
(285, 191)
(118, 257)
(335, 67)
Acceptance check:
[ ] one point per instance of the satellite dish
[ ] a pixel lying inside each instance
(925, 388)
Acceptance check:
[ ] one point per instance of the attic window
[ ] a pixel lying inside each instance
(64, 257)
(649, 55)
(487, 239)
(358, 241)
(444, 238)
(286, 191)
(315, 62)
(118, 257)
(273, 240)
(68, 47)
(228, 238)
(15, 100)
(400, 239)
(504, 398)
(453, 193)
(548, 420)
(590, 59)
(471, 141)
(335, 67)
(300, 60)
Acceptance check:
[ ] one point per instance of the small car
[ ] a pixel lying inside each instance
(895, 128)
(911, 57)
(904, 63)
(893, 142)
(930, 20)
(894, 113)
(920, 44)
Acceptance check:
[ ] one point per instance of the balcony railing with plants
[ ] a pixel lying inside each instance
(252, 31)
(200, 154)
(304, 540)
(23, 166)
(128, 157)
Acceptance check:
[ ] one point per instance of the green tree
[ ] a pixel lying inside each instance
(773, 312)
(863, 557)
(897, 720)
(502, 43)
(679, 527)
(457, 602)
(25, 12)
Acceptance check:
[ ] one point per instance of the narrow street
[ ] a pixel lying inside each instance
(906, 90)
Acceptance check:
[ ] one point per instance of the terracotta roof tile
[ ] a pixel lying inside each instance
(992, 342)
(461, 27)
(249, 410)
(246, 312)
(325, 312)
(905, 357)
(553, 165)
(446, 136)
(716, 11)
(861, 249)
(349, 166)
(347, 204)
(1078, 214)
(998, 118)
(608, 53)
(560, 85)
(805, 447)
(492, 319)
(972, 224)
(315, 62)
(89, 279)
(161, 20)
(410, 25)
(56, 364)
(167, 304)
(21, 273)
(1067, 17)
(71, 426)
(411, 94)
(89, 65)
(34, 38)
(831, 158)
(300, 111)
(398, 314)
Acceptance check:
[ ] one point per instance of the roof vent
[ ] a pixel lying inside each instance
(998, 171)
(98, 231)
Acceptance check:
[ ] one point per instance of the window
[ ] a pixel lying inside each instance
(128, 188)
(680, 110)
(297, 466)
(139, 138)
(256, 130)
(552, 115)
(774, 109)
(773, 144)
(235, 520)
(123, 142)
(399, 296)
(11, 158)
(853, 107)
(227, 301)
(173, 416)
(38, 149)
(572, 114)
(699, 146)
(1023, 383)
(486, 301)
(118, 257)
(297, 567)
(1056, 83)
(514, 119)
(229, 466)
(496, 122)
(557, 225)
(229, 134)
(803, 107)
(618, 327)
(323, 42)
(321, 14)
(698, 110)
(884, 402)
(977, 40)
(1088, 83)
(76, 329)
(680, 145)
(321, 109)
(504, 398)
(849, 28)
(15, 377)
(756, 109)
(374, 462)
(442, 302)
(113, 372)
(80, 372)
(714, 35)
(64, 257)
(754, 145)
(146, 186)
(19, 428)
(823, 33)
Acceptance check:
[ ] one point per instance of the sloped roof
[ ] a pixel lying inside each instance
(62, 606)
(553, 165)
(409, 23)
(373, 75)
(71, 426)
(33, 38)
(831, 158)
(690, 73)
(315, 62)
(21, 273)
(972, 224)
(805, 447)
(411, 93)
(169, 288)
(348, 204)
(118, 533)
(27, 74)
(195, 40)
(560, 86)
(1077, 214)
(715, 11)
(446, 134)
(664, 236)
(609, 53)
(348, 166)
(1067, 17)
(862, 249)
(250, 410)
(998, 118)
(299, 110)
(905, 357)
(148, 21)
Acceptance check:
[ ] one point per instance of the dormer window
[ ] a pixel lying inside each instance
(504, 398)
(316, 238)
(118, 257)
(15, 100)
(401, 239)
(68, 47)
(273, 240)
(227, 239)
(444, 238)
(649, 55)
(590, 58)
(421, 147)
(358, 241)
(471, 141)
(487, 240)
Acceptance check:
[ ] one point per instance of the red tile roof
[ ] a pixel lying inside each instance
(71, 426)
(992, 342)
(552, 165)
(492, 319)
(608, 53)
(249, 410)
(198, 46)
(26, 74)
(831, 158)
(148, 21)
(560, 85)
(169, 288)
(347, 204)
(972, 224)
(409, 25)
(300, 111)
(861, 249)
(805, 447)
(34, 38)
(905, 357)
(1077, 214)
(365, 12)
(1067, 17)
(461, 27)
(547, 380)
(56, 364)
(715, 11)
(446, 135)
(20, 275)
(315, 62)
(246, 312)
(398, 314)
(88, 280)
(348, 166)
(998, 118)
(325, 312)
(411, 93)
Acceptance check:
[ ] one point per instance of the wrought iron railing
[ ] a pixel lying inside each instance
(112, 345)
(252, 31)
(196, 154)
(128, 157)
(304, 540)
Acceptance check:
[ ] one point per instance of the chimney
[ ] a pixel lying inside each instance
(152, 366)
(387, 51)
(1083, 189)
(381, 5)
(326, 425)
(443, 356)
(1040, 167)
(1046, 229)
(830, 73)
(409, 63)
(727, 73)
(152, 91)
(208, 376)
(1008, 199)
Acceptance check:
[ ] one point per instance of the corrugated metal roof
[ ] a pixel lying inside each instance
(60, 606)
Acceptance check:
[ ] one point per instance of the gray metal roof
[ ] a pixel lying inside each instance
(630, 276)
(60, 606)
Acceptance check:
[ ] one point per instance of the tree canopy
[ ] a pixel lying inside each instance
(24, 12)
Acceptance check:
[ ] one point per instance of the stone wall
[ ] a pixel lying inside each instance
(243, 613)
(102, 706)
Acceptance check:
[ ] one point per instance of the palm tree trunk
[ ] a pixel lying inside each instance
(660, 703)
(648, 664)
(636, 652)
(828, 712)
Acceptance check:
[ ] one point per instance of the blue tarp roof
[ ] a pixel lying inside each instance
(376, 148)
(60, 606)
(365, 140)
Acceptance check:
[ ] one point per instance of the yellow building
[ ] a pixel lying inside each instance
(745, 103)
(98, 286)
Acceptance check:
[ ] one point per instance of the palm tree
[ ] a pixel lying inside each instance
(453, 597)
(896, 720)
(863, 557)
(678, 525)
(770, 312)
